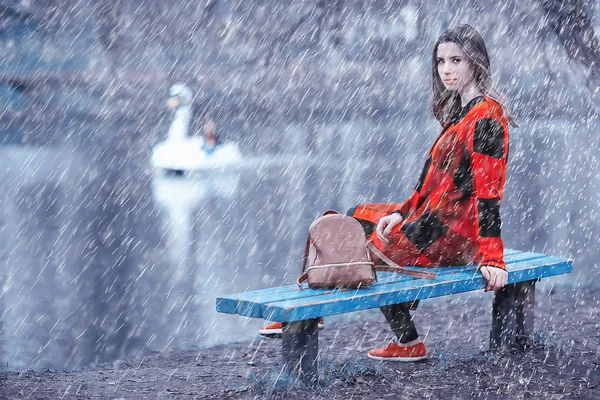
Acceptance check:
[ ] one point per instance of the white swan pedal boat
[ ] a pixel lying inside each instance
(180, 152)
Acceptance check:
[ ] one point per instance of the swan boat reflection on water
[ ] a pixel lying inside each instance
(181, 153)
(182, 202)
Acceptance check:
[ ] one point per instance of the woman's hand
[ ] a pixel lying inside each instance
(496, 277)
(385, 226)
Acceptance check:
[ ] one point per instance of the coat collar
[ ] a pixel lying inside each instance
(463, 111)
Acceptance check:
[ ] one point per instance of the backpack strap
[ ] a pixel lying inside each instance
(301, 279)
(329, 212)
(393, 267)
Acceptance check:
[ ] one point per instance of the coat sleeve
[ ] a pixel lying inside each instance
(488, 146)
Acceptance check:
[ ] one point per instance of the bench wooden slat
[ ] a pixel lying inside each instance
(254, 306)
(231, 303)
(509, 256)
(251, 303)
(402, 291)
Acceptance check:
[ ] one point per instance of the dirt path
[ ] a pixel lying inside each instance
(564, 364)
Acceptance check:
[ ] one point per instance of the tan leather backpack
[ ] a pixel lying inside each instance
(337, 255)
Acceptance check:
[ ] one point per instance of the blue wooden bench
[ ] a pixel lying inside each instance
(300, 310)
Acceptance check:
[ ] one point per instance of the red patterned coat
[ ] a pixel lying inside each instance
(453, 215)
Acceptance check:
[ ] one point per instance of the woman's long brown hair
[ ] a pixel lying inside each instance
(445, 103)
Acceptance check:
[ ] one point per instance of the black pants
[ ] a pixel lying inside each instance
(397, 315)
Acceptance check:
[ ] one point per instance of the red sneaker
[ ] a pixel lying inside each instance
(407, 352)
(274, 330)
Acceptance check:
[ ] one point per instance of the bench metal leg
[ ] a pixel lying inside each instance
(503, 309)
(512, 316)
(525, 306)
(300, 347)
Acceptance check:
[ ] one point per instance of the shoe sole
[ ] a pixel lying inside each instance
(278, 334)
(397, 359)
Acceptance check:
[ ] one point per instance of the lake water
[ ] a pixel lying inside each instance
(103, 258)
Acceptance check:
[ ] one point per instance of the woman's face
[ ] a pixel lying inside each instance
(454, 67)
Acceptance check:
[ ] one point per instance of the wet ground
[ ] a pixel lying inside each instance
(563, 363)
